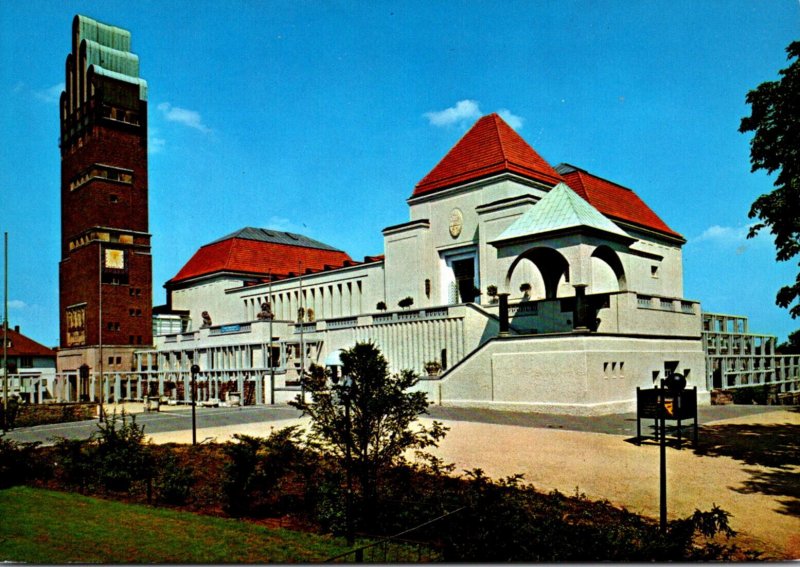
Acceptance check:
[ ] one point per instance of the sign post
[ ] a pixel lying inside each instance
(675, 383)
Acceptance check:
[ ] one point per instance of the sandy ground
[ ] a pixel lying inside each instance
(606, 467)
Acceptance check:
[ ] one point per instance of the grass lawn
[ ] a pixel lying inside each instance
(42, 526)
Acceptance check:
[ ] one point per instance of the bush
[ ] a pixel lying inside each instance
(121, 455)
(173, 483)
(257, 465)
(20, 463)
(75, 460)
(753, 394)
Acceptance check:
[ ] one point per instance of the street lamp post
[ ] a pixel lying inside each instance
(101, 414)
(345, 391)
(269, 356)
(195, 369)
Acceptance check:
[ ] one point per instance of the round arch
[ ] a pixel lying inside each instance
(608, 274)
(551, 265)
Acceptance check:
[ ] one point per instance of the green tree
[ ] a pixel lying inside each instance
(371, 413)
(775, 121)
(791, 346)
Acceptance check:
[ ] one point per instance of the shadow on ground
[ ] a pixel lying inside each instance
(775, 446)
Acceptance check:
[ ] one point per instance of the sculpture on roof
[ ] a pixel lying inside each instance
(266, 312)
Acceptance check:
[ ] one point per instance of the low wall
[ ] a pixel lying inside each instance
(569, 373)
(29, 415)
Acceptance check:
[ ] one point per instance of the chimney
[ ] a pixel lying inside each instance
(16, 328)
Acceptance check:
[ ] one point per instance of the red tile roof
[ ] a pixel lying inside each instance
(20, 345)
(257, 258)
(490, 146)
(613, 200)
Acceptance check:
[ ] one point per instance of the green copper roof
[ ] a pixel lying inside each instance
(108, 51)
(122, 62)
(110, 36)
(560, 209)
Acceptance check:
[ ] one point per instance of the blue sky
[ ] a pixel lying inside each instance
(320, 117)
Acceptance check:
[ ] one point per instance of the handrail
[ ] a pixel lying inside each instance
(360, 550)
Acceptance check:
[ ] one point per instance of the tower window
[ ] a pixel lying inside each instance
(100, 171)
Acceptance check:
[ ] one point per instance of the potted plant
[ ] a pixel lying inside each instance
(491, 291)
(433, 367)
(381, 306)
(526, 290)
(406, 302)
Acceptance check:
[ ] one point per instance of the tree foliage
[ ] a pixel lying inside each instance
(382, 415)
(792, 344)
(775, 121)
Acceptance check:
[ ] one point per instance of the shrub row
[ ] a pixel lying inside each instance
(279, 476)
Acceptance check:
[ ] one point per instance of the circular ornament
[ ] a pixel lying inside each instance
(456, 222)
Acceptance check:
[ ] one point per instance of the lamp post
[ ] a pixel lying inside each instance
(269, 356)
(345, 392)
(101, 415)
(195, 369)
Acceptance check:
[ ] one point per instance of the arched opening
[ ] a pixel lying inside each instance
(608, 275)
(544, 269)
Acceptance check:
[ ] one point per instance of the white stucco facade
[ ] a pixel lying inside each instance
(596, 306)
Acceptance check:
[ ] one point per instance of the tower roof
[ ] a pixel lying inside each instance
(491, 146)
(258, 252)
(559, 210)
(614, 200)
(108, 51)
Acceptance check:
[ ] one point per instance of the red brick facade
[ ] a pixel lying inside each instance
(104, 216)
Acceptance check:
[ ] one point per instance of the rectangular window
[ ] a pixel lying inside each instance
(100, 171)
(26, 362)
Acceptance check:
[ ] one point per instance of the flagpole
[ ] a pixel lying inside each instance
(5, 332)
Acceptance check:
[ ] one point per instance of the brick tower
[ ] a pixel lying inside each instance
(105, 273)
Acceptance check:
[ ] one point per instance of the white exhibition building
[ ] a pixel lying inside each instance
(589, 276)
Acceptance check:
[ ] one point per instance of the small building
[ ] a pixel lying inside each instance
(31, 368)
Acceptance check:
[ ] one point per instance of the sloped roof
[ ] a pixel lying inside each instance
(560, 209)
(276, 237)
(613, 200)
(259, 252)
(491, 146)
(20, 345)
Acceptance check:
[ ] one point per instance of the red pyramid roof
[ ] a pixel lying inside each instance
(490, 146)
(614, 200)
(257, 257)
